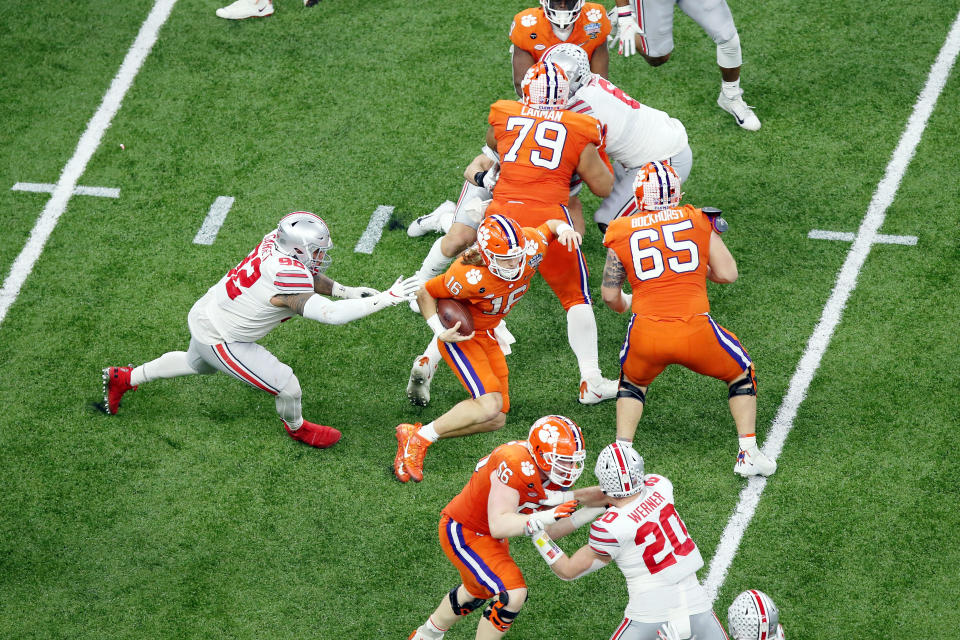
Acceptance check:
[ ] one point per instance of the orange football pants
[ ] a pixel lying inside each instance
(484, 562)
(480, 365)
(564, 271)
(698, 343)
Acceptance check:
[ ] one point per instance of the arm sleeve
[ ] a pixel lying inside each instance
(341, 311)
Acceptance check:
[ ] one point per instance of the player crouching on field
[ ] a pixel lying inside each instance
(667, 252)
(642, 532)
(490, 278)
(519, 488)
(281, 277)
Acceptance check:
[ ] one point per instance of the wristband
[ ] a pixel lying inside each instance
(563, 226)
(435, 324)
(337, 290)
(547, 548)
(582, 516)
(624, 14)
(478, 177)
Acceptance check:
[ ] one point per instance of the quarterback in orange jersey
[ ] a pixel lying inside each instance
(667, 252)
(541, 145)
(522, 486)
(491, 279)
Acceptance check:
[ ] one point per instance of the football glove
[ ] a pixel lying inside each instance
(627, 30)
(669, 632)
(401, 291)
(343, 291)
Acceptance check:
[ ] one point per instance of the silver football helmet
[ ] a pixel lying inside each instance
(620, 470)
(562, 13)
(753, 616)
(573, 60)
(305, 236)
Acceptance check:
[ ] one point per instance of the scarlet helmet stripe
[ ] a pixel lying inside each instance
(622, 469)
(763, 613)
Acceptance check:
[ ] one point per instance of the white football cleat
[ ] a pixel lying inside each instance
(418, 387)
(433, 221)
(597, 390)
(739, 109)
(752, 462)
(243, 9)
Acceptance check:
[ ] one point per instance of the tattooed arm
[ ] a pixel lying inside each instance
(614, 275)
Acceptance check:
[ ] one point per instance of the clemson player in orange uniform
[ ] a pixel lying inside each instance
(491, 279)
(667, 252)
(519, 488)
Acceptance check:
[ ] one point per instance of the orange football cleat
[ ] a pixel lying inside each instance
(414, 453)
(404, 432)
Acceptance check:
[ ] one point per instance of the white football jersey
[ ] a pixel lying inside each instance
(238, 308)
(636, 134)
(649, 542)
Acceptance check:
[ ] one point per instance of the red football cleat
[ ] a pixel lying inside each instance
(315, 435)
(116, 382)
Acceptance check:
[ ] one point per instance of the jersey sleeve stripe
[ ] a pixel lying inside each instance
(292, 285)
(292, 274)
(599, 540)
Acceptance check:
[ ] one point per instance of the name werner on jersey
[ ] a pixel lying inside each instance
(646, 507)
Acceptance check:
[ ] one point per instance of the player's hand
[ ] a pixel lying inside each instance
(564, 510)
(627, 31)
(668, 632)
(533, 527)
(554, 498)
(490, 178)
(401, 291)
(453, 334)
(570, 238)
(359, 292)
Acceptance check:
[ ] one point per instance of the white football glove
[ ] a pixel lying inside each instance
(554, 498)
(669, 632)
(533, 527)
(401, 291)
(627, 30)
(490, 178)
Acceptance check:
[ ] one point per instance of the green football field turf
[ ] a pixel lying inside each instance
(192, 514)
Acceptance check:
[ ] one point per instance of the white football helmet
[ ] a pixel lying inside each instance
(753, 616)
(573, 60)
(619, 470)
(305, 236)
(562, 13)
(657, 187)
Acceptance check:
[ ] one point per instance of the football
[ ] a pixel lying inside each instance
(452, 311)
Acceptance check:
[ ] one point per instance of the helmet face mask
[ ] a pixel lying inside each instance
(573, 60)
(619, 470)
(558, 449)
(305, 236)
(562, 13)
(753, 616)
(657, 187)
(503, 247)
(545, 87)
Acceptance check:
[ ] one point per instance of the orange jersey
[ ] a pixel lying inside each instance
(533, 33)
(514, 465)
(539, 151)
(665, 255)
(489, 297)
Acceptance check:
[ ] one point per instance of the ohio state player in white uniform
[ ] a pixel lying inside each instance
(635, 133)
(643, 533)
(279, 279)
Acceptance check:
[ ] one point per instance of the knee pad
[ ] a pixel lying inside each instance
(629, 390)
(462, 609)
(746, 386)
(500, 617)
(729, 55)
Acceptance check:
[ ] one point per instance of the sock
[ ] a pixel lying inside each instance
(730, 89)
(433, 353)
(582, 335)
(170, 365)
(428, 432)
(431, 630)
(288, 404)
(435, 263)
(748, 441)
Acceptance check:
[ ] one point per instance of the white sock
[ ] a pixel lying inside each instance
(431, 630)
(582, 335)
(748, 442)
(730, 89)
(435, 263)
(172, 364)
(427, 431)
(433, 353)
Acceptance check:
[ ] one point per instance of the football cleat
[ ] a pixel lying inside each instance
(752, 462)
(413, 454)
(597, 390)
(404, 432)
(433, 221)
(243, 9)
(116, 382)
(315, 435)
(418, 387)
(310, 3)
(416, 635)
(739, 109)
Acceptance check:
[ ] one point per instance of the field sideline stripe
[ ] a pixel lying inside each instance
(832, 312)
(88, 144)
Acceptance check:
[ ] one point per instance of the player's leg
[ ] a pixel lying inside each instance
(498, 367)
(500, 613)
(655, 19)
(635, 630)
(421, 374)
(639, 367)
(706, 626)
(620, 202)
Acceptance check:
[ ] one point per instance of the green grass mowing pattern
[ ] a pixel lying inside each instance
(193, 515)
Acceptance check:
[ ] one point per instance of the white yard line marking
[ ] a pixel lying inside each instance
(823, 332)
(46, 187)
(214, 220)
(89, 141)
(371, 236)
(846, 236)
